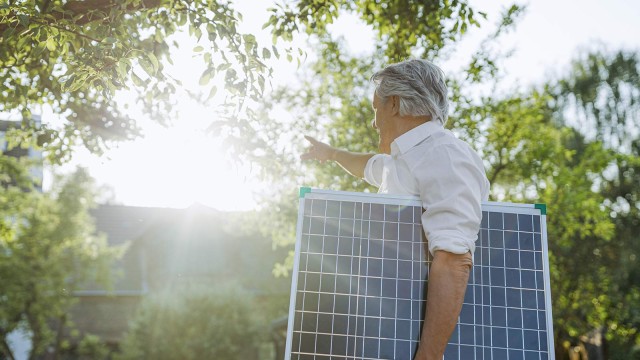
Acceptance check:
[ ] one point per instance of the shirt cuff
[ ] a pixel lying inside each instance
(373, 170)
(451, 241)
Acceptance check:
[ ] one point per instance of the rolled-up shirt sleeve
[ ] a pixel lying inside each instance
(450, 186)
(374, 170)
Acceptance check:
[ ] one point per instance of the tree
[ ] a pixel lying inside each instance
(75, 55)
(48, 248)
(196, 323)
(600, 97)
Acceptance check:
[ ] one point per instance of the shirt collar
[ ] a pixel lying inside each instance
(413, 137)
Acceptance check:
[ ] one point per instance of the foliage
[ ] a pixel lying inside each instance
(602, 93)
(75, 55)
(196, 323)
(47, 248)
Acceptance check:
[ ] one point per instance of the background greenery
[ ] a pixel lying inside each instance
(571, 142)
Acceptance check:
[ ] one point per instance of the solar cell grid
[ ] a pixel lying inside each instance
(360, 281)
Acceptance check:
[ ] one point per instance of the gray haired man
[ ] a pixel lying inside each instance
(418, 156)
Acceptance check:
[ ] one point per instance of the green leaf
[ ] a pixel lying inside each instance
(154, 61)
(206, 76)
(147, 66)
(51, 44)
(266, 54)
(110, 40)
(198, 48)
(212, 92)
(136, 79)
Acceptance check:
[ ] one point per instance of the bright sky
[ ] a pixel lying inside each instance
(179, 166)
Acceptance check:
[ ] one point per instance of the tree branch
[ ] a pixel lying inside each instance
(86, 9)
(6, 350)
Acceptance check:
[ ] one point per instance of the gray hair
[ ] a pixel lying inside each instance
(420, 86)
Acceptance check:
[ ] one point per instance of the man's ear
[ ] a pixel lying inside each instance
(395, 104)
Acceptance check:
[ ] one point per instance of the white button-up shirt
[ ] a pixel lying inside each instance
(447, 175)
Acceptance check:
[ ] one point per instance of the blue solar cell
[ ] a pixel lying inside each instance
(531, 340)
(496, 239)
(333, 208)
(483, 238)
(326, 303)
(542, 321)
(526, 241)
(527, 260)
(499, 337)
(376, 229)
(390, 268)
(512, 259)
(498, 316)
(497, 296)
(318, 207)
(375, 248)
(496, 257)
(403, 309)
(386, 349)
(514, 318)
(403, 289)
(497, 276)
(329, 263)
(388, 308)
(374, 267)
(510, 221)
(529, 319)
(346, 227)
(499, 354)
(467, 352)
(528, 279)
(495, 221)
(514, 339)
(525, 222)
(531, 355)
(536, 223)
(389, 288)
(391, 231)
(404, 269)
(388, 328)
(466, 315)
(516, 354)
(511, 240)
(529, 299)
(514, 298)
(485, 220)
(331, 226)
(537, 242)
(326, 326)
(372, 306)
(541, 300)
(406, 214)
(372, 326)
(377, 212)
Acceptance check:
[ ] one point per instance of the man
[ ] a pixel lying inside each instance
(419, 157)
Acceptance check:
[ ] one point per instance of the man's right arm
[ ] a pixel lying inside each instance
(351, 162)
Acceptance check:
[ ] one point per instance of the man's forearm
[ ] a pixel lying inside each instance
(448, 277)
(353, 163)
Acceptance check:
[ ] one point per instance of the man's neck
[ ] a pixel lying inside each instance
(408, 123)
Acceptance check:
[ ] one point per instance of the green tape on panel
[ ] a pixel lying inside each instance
(304, 190)
(542, 207)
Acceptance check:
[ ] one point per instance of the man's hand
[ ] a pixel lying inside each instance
(319, 151)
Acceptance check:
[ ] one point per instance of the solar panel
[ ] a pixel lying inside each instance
(360, 271)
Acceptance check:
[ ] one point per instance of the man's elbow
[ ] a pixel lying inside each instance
(456, 262)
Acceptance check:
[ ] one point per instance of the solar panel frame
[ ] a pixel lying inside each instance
(462, 334)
